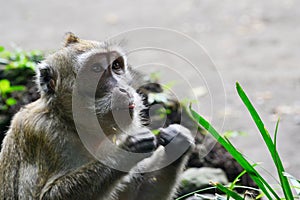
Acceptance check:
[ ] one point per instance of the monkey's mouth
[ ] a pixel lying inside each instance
(131, 106)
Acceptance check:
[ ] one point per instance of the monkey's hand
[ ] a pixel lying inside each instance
(160, 183)
(142, 142)
(177, 134)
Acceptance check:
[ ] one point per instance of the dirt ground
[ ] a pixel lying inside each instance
(254, 42)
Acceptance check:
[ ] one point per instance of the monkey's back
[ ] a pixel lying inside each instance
(13, 168)
(9, 167)
(26, 152)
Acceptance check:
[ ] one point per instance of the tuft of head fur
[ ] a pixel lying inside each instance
(70, 38)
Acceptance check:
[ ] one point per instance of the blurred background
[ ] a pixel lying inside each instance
(254, 42)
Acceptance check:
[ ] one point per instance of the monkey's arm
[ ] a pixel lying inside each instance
(162, 184)
(95, 180)
(84, 183)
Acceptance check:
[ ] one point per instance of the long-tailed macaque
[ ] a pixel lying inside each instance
(43, 156)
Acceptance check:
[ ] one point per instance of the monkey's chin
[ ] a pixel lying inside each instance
(120, 117)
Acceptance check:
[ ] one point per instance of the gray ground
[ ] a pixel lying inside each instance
(254, 42)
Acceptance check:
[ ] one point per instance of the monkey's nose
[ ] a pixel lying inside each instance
(127, 92)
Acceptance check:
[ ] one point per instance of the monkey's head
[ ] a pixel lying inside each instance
(100, 74)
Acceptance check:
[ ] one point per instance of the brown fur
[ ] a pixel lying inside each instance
(42, 156)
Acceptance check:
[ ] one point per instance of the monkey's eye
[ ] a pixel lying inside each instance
(118, 65)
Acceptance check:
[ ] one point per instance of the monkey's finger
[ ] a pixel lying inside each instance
(166, 135)
(142, 136)
(145, 136)
(133, 140)
(143, 147)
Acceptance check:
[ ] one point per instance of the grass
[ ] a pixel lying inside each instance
(265, 187)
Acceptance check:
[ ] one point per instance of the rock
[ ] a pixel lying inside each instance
(198, 178)
(218, 157)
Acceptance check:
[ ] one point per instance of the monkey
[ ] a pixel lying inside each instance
(43, 155)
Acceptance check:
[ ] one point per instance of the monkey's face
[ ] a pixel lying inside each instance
(104, 77)
(99, 74)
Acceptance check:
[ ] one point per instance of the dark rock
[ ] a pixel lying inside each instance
(199, 178)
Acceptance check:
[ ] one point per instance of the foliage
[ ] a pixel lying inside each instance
(19, 59)
(264, 186)
(16, 74)
(5, 90)
(16, 85)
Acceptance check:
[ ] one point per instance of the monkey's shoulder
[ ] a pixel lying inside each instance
(41, 138)
(31, 118)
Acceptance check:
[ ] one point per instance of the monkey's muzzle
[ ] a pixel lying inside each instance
(131, 106)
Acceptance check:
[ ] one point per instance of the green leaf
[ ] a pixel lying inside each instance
(4, 107)
(259, 196)
(4, 86)
(294, 181)
(168, 111)
(30, 65)
(5, 54)
(155, 131)
(16, 88)
(10, 101)
(232, 185)
(257, 178)
(2, 48)
(275, 135)
(267, 139)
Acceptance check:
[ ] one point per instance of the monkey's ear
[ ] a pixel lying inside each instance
(46, 79)
(70, 38)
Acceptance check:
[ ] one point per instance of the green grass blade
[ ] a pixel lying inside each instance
(275, 134)
(233, 184)
(271, 147)
(229, 192)
(295, 183)
(259, 196)
(287, 190)
(255, 175)
(260, 125)
(261, 183)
